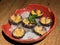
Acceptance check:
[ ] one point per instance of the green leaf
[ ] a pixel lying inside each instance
(32, 18)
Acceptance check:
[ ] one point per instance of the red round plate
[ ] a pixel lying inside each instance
(47, 12)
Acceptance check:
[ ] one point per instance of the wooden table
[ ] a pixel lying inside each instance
(7, 7)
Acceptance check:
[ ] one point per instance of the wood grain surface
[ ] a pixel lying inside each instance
(7, 7)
